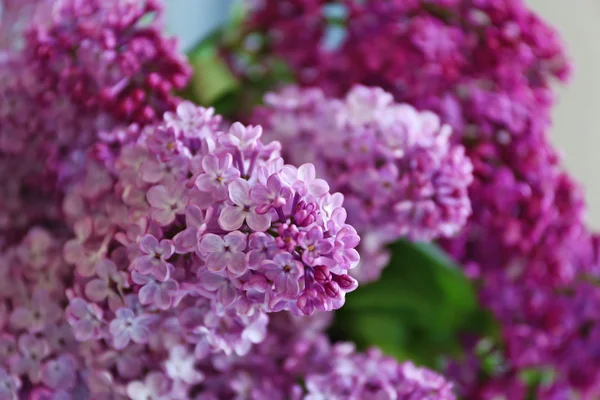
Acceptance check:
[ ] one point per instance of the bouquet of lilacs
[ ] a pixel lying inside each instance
(152, 249)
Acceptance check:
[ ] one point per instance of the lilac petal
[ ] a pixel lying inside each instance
(158, 196)
(237, 264)
(210, 281)
(307, 172)
(146, 293)
(260, 194)
(96, 290)
(21, 318)
(140, 334)
(206, 182)
(232, 218)
(236, 241)
(286, 285)
(211, 243)
(258, 222)
(186, 241)
(152, 171)
(226, 295)
(161, 271)
(145, 264)
(114, 301)
(216, 262)
(162, 216)
(193, 216)
(318, 187)
(104, 268)
(83, 330)
(121, 339)
(239, 192)
(148, 244)
(124, 313)
(210, 163)
(166, 248)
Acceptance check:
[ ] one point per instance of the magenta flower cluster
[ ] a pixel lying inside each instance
(398, 172)
(486, 67)
(126, 69)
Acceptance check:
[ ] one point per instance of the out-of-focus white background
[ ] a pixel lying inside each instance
(574, 133)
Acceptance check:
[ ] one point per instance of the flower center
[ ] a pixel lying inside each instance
(287, 268)
(311, 248)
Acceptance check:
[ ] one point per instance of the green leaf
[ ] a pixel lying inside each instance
(212, 79)
(418, 308)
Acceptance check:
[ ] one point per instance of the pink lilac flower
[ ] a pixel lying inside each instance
(128, 327)
(126, 69)
(154, 387)
(243, 210)
(154, 256)
(398, 172)
(225, 253)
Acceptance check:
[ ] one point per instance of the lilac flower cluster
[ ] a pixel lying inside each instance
(399, 174)
(126, 69)
(296, 351)
(486, 68)
(42, 149)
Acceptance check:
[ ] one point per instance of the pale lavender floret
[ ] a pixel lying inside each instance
(167, 202)
(155, 386)
(129, 327)
(107, 285)
(261, 246)
(187, 240)
(243, 209)
(284, 271)
(225, 253)
(218, 172)
(154, 256)
(9, 385)
(86, 319)
(28, 361)
(154, 292)
(181, 365)
(60, 373)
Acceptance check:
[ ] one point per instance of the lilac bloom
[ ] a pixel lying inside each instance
(223, 287)
(108, 285)
(232, 217)
(166, 203)
(344, 253)
(86, 319)
(160, 294)
(284, 271)
(153, 170)
(261, 246)
(314, 245)
(154, 257)
(226, 252)
(181, 365)
(304, 180)
(32, 351)
(156, 386)
(60, 373)
(192, 121)
(9, 386)
(273, 194)
(35, 316)
(241, 137)
(128, 327)
(218, 173)
(187, 240)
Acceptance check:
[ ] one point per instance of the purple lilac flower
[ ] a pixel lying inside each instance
(153, 257)
(398, 172)
(128, 327)
(127, 69)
